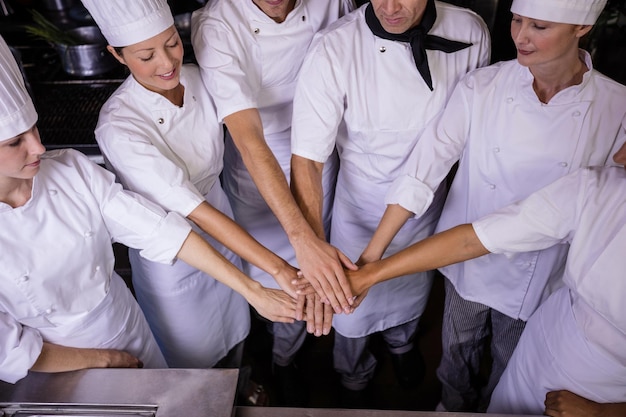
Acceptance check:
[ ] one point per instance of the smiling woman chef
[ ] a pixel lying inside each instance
(62, 306)
(160, 134)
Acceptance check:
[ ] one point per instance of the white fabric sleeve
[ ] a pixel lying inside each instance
(145, 170)
(545, 218)
(132, 219)
(347, 6)
(20, 347)
(439, 147)
(229, 71)
(318, 104)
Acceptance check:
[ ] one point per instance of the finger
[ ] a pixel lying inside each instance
(300, 305)
(343, 291)
(331, 290)
(346, 262)
(310, 314)
(319, 316)
(328, 319)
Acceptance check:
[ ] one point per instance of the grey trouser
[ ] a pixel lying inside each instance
(287, 338)
(466, 329)
(356, 363)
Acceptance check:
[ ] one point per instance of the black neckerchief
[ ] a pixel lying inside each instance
(418, 37)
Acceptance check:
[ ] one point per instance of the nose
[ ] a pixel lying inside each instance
(35, 147)
(389, 7)
(519, 32)
(166, 59)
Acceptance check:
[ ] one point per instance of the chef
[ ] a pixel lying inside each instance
(62, 306)
(372, 101)
(160, 135)
(514, 127)
(574, 342)
(250, 53)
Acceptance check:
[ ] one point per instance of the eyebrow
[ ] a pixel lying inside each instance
(152, 49)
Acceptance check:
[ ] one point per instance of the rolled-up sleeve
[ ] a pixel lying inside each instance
(20, 347)
(318, 105)
(132, 219)
(439, 147)
(547, 217)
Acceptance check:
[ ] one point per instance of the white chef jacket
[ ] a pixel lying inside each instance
(173, 156)
(57, 262)
(250, 61)
(510, 144)
(586, 209)
(370, 102)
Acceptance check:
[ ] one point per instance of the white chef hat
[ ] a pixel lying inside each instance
(577, 12)
(17, 112)
(124, 22)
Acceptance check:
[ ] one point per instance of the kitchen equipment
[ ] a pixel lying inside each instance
(122, 393)
(90, 57)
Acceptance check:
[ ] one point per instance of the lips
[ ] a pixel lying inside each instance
(168, 75)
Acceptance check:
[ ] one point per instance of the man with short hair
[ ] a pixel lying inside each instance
(368, 86)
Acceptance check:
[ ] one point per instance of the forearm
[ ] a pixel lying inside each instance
(246, 130)
(393, 219)
(272, 304)
(455, 245)
(56, 358)
(234, 237)
(198, 253)
(306, 187)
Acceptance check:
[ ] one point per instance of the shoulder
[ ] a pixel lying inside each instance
(345, 27)
(608, 86)
(458, 23)
(127, 103)
(66, 165)
(494, 75)
(218, 15)
(66, 157)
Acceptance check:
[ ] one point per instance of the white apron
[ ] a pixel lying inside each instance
(553, 354)
(198, 300)
(116, 323)
(358, 207)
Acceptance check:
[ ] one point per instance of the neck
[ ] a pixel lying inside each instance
(549, 80)
(16, 192)
(175, 95)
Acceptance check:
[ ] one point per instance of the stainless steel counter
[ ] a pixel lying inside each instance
(123, 392)
(332, 412)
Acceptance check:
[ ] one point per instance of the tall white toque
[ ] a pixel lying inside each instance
(577, 12)
(17, 111)
(125, 23)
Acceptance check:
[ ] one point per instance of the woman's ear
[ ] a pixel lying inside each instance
(116, 55)
(582, 30)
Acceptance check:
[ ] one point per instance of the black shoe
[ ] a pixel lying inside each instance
(355, 399)
(409, 368)
(291, 390)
